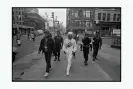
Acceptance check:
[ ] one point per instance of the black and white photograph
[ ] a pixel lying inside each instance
(66, 44)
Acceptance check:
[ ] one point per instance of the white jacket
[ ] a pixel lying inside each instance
(69, 46)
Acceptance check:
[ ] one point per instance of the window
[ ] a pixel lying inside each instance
(80, 13)
(108, 17)
(84, 13)
(99, 16)
(104, 16)
(114, 17)
(88, 14)
(76, 14)
(118, 17)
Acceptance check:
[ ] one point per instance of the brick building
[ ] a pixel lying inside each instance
(80, 19)
(107, 19)
(92, 19)
(26, 19)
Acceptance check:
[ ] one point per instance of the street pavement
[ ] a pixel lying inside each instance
(106, 68)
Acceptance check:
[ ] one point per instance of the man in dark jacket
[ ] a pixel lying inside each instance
(86, 45)
(47, 47)
(58, 45)
(97, 43)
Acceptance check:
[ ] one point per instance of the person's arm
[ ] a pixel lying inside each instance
(75, 46)
(64, 45)
(100, 42)
(61, 41)
(53, 45)
(40, 48)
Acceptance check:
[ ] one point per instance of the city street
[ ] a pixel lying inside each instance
(31, 66)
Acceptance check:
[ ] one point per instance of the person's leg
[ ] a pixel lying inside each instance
(49, 61)
(46, 59)
(84, 52)
(55, 54)
(97, 52)
(58, 54)
(69, 56)
(94, 53)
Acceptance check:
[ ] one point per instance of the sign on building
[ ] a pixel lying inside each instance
(116, 32)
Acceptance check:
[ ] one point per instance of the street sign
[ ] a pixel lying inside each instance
(116, 31)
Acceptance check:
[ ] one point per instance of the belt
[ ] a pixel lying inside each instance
(85, 45)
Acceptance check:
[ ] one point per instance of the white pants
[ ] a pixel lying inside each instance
(69, 58)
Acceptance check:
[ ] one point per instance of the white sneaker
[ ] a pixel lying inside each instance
(46, 74)
(67, 73)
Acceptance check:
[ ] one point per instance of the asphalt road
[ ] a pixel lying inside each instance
(26, 47)
(106, 68)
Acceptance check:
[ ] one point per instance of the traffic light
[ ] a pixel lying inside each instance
(52, 14)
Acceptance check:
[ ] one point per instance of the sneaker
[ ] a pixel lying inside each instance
(58, 59)
(55, 58)
(93, 59)
(50, 69)
(96, 59)
(67, 73)
(46, 74)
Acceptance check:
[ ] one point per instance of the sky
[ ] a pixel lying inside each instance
(60, 13)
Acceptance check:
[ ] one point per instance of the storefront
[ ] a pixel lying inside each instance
(21, 29)
(116, 38)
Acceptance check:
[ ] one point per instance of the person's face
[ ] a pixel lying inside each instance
(46, 34)
(69, 36)
(58, 33)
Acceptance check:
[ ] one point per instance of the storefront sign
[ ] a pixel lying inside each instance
(116, 31)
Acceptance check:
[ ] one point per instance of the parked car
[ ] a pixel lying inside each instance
(40, 32)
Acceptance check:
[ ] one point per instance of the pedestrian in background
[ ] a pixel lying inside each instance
(86, 46)
(58, 45)
(18, 39)
(47, 47)
(33, 36)
(97, 43)
(69, 47)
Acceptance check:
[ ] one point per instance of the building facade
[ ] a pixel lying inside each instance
(107, 19)
(80, 19)
(26, 19)
(18, 15)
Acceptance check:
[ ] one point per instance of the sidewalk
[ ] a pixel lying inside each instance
(34, 69)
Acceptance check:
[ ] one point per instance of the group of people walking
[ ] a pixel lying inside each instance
(49, 46)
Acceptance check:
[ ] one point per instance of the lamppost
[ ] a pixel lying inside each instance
(53, 22)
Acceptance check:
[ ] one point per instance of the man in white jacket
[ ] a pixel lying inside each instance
(69, 47)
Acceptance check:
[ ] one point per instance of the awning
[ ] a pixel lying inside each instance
(21, 26)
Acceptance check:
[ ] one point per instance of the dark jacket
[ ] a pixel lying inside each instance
(86, 42)
(97, 41)
(49, 43)
(58, 41)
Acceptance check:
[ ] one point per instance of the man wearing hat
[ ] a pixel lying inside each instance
(69, 47)
(58, 45)
(86, 46)
(97, 43)
(47, 47)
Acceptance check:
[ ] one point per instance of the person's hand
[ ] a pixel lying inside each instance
(100, 48)
(38, 52)
(64, 52)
